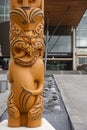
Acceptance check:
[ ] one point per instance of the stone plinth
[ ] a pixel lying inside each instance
(45, 126)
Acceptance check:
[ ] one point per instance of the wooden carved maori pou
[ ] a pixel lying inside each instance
(26, 68)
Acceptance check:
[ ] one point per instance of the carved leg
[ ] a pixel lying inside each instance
(13, 112)
(35, 113)
(13, 122)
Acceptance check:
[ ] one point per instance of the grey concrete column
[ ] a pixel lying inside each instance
(74, 44)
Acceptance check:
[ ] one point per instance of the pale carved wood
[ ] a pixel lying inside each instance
(26, 68)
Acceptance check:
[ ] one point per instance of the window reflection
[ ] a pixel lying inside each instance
(4, 10)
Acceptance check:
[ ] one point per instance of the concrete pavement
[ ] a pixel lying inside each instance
(73, 89)
(4, 95)
(3, 101)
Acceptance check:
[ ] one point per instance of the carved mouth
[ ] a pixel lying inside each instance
(25, 7)
(23, 58)
(24, 63)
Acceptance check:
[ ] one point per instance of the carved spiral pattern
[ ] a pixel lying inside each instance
(36, 112)
(15, 31)
(30, 15)
(23, 100)
(12, 109)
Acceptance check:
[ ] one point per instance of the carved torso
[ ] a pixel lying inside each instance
(30, 78)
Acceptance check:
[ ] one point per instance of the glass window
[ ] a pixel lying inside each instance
(7, 10)
(81, 42)
(7, 2)
(83, 23)
(4, 10)
(6, 18)
(1, 19)
(2, 2)
(1, 10)
(81, 32)
(82, 60)
(85, 60)
(60, 44)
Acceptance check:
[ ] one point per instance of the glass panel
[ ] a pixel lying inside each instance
(1, 19)
(81, 60)
(81, 33)
(83, 23)
(81, 38)
(2, 2)
(82, 42)
(1, 10)
(85, 60)
(60, 44)
(4, 10)
(7, 2)
(59, 65)
(6, 18)
(7, 10)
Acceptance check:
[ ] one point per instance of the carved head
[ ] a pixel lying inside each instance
(25, 3)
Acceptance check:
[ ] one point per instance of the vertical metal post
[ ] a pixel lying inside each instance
(4, 10)
(74, 42)
(46, 50)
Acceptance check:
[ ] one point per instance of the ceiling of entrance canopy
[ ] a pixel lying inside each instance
(64, 12)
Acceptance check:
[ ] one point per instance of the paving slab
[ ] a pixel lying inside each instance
(73, 89)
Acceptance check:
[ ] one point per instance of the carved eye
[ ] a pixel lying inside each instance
(20, 1)
(31, 1)
(18, 50)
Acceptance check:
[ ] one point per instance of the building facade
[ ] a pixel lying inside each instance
(69, 51)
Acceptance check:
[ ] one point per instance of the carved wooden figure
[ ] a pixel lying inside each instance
(26, 68)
